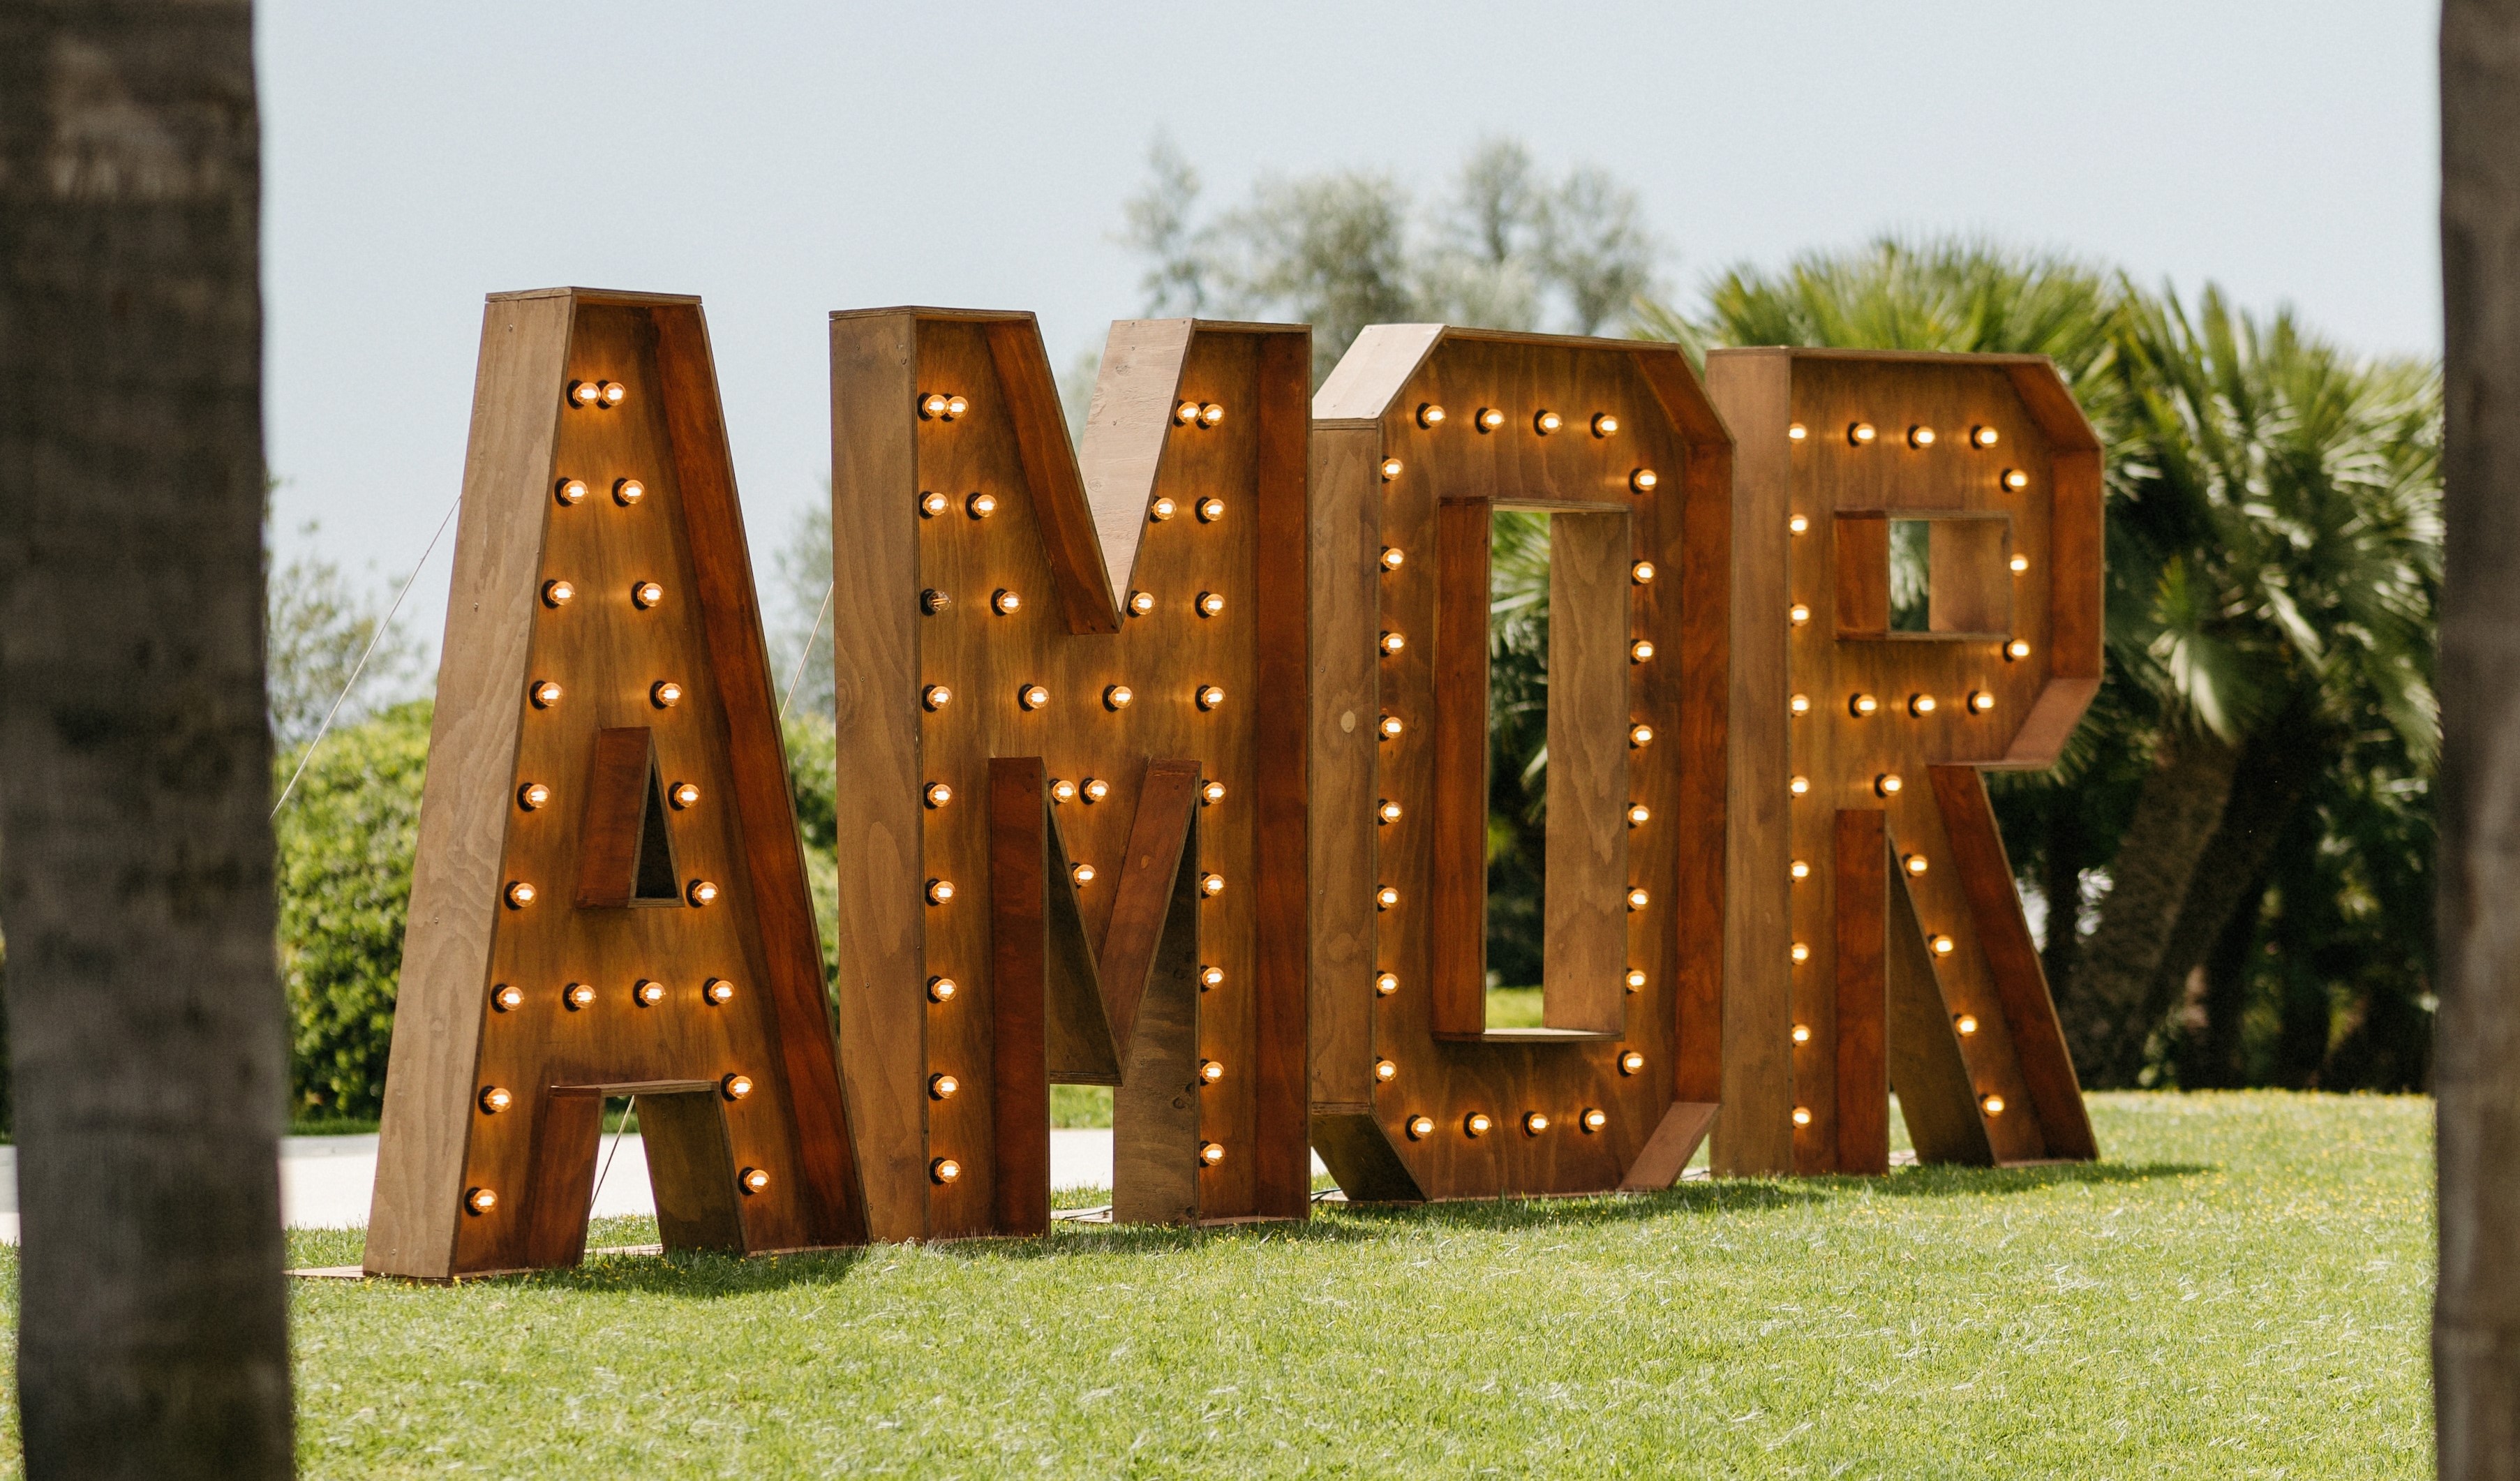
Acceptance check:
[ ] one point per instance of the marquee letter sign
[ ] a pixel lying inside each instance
(1072, 705)
(1932, 523)
(1422, 433)
(609, 898)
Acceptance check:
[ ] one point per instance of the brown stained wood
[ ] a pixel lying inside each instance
(1362, 1158)
(1984, 874)
(1083, 1051)
(618, 785)
(1692, 619)
(1066, 517)
(1861, 862)
(1378, 363)
(416, 1204)
(1675, 1139)
(1457, 887)
(1970, 583)
(562, 1190)
(1155, 1172)
(1342, 571)
(1130, 419)
(1862, 574)
(2075, 552)
(1586, 930)
(1144, 896)
(2052, 721)
(692, 1169)
(1927, 1070)
(1018, 1010)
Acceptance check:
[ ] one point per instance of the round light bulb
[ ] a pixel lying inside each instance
(753, 1180)
(571, 491)
(1638, 814)
(980, 506)
(1095, 789)
(1800, 953)
(1916, 864)
(1965, 1025)
(1993, 1106)
(1385, 898)
(1921, 704)
(1211, 793)
(1796, 432)
(1861, 705)
(1390, 726)
(1639, 736)
(935, 696)
(480, 1200)
(2015, 479)
(1595, 1119)
(577, 995)
(1605, 425)
(717, 992)
(1390, 468)
(665, 694)
(1802, 1033)
(1062, 790)
(1211, 604)
(1642, 480)
(939, 891)
(628, 491)
(1032, 697)
(1887, 784)
(1186, 413)
(1534, 1123)
(682, 794)
(1547, 423)
(1980, 702)
(1386, 983)
(938, 794)
(1478, 1123)
(932, 405)
(1420, 1128)
(1861, 433)
(944, 1169)
(585, 392)
(1799, 869)
(1210, 1071)
(646, 595)
(1210, 510)
(942, 989)
(2020, 563)
(1796, 525)
(931, 504)
(614, 392)
(1210, 978)
(1082, 873)
(1982, 436)
(1210, 1153)
(496, 1098)
(1636, 979)
(942, 1087)
(520, 894)
(1921, 436)
(1637, 899)
(1802, 1115)
(507, 999)
(734, 1087)
(1004, 603)
(1210, 697)
(1211, 885)
(1118, 696)
(1490, 418)
(1141, 603)
(1943, 945)
(1162, 510)
(1798, 614)
(931, 601)
(2016, 651)
(702, 892)
(647, 993)
(1631, 1062)
(1799, 704)
(545, 694)
(531, 795)
(1386, 811)
(1798, 785)
(1393, 642)
(1392, 557)
(1429, 414)
(1641, 573)
(1385, 1071)
(1210, 415)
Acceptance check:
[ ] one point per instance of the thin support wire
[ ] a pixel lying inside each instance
(812, 637)
(361, 666)
(627, 1112)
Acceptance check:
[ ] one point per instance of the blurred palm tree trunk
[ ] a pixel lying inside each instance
(2476, 1316)
(135, 759)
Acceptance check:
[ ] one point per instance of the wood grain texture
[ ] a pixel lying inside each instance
(1862, 574)
(1342, 571)
(1928, 1071)
(692, 1170)
(1155, 1171)
(1585, 933)
(1144, 897)
(1861, 1143)
(1019, 886)
(1128, 422)
(1064, 513)
(1456, 889)
(618, 783)
(561, 1188)
(1675, 1139)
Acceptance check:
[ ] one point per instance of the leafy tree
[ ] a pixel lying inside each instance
(801, 635)
(316, 628)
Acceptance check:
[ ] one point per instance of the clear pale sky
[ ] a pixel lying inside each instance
(784, 159)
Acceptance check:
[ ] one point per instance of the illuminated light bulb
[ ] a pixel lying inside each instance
(955, 406)
(480, 1200)
(1798, 785)
(628, 491)
(1004, 602)
(1862, 705)
(1800, 953)
(942, 1087)
(1796, 432)
(1032, 697)
(646, 595)
(1390, 468)
(531, 795)
(736, 1086)
(1387, 811)
(520, 894)
(1861, 433)
(1431, 415)
(1534, 1123)
(1162, 510)
(496, 1098)
(507, 999)
(571, 491)
(1547, 423)
(930, 505)
(1082, 873)
(1210, 1071)
(1982, 436)
(577, 995)
(1980, 700)
(1385, 1071)
(1095, 789)
(1390, 726)
(944, 1169)
(665, 694)
(1643, 479)
(717, 992)
(942, 989)
(753, 1181)
(1393, 642)
(1639, 736)
(1921, 436)
(585, 392)
(931, 601)
(1639, 651)
(1802, 1115)
(700, 892)
(1800, 868)
(1641, 573)
(1118, 696)
(1638, 814)
(1943, 945)
(1490, 418)
(1637, 899)
(1392, 557)
(647, 993)
(545, 694)
(935, 696)
(1210, 978)
(2015, 479)
(1211, 885)
(1993, 1106)
(1796, 525)
(1605, 425)
(1420, 1128)
(1920, 704)
(1211, 1154)
(1062, 790)
(1210, 415)
(1210, 510)
(1186, 413)
(1478, 1123)
(1631, 1062)
(980, 506)
(1636, 979)
(1385, 898)
(1211, 793)
(939, 891)
(1386, 983)
(1798, 614)
(1965, 1025)
(1887, 784)
(1802, 1033)
(1211, 604)
(1592, 1119)
(2016, 651)
(1916, 864)
(682, 794)
(1141, 603)
(931, 406)
(2019, 563)
(938, 794)
(1799, 704)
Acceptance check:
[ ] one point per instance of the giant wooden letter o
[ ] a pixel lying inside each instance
(1422, 433)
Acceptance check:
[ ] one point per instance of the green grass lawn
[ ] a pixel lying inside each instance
(2241, 1290)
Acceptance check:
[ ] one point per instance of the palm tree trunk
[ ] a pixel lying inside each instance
(2067, 855)
(2176, 812)
(2476, 1304)
(135, 770)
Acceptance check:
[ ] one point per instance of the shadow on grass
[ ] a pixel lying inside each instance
(1942, 1181)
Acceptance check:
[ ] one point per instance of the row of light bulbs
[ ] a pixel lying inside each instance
(1543, 421)
(546, 694)
(1919, 435)
(1864, 705)
(1884, 785)
(1479, 1123)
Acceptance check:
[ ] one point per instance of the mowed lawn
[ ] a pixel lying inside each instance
(2241, 1290)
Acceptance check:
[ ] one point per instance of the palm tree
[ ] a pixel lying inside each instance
(135, 761)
